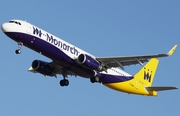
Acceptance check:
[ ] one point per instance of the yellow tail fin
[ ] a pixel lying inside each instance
(147, 73)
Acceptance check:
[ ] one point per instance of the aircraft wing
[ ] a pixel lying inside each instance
(122, 61)
(61, 70)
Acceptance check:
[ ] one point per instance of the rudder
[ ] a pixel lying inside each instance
(147, 73)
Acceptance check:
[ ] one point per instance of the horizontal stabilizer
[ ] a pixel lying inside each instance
(160, 88)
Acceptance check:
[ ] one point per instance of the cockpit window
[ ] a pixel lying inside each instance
(15, 22)
(11, 21)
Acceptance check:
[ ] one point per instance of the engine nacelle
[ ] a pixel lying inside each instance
(89, 62)
(42, 67)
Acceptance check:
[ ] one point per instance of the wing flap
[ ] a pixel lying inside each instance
(160, 88)
(125, 63)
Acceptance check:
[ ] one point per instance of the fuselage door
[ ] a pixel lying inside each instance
(29, 28)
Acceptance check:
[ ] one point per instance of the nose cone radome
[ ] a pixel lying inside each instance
(5, 27)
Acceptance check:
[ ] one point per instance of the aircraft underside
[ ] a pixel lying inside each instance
(51, 52)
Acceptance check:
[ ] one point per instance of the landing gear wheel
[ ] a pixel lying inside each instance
(94, 79)
(64, 82)
(97, 79)
(61, 83)
(18, 51)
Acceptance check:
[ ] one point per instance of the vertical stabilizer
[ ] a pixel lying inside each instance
(147, 73)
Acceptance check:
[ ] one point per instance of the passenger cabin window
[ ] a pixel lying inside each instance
(15, 22)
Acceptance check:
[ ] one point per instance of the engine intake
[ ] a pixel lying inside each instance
(89, 62)
(42, 67)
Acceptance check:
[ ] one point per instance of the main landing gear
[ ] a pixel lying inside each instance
(18, 51)
(64, 82)
(94, 79)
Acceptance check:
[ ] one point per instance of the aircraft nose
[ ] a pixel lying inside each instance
(5, 27)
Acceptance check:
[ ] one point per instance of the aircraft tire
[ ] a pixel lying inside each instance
(92, 80)
(18, 51)
(96, 79)
(61, 83)
(64, 82)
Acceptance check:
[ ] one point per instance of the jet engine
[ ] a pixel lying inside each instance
(42, 67)
(89, 62)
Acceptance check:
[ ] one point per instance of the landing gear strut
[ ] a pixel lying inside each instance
(18, 51)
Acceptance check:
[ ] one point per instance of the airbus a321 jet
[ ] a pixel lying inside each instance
(68, 59)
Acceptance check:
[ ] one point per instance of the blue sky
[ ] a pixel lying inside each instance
(103, 28)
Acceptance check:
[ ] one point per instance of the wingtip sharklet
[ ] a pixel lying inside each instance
(172, 50)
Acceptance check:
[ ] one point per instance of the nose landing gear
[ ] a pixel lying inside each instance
(18, 51)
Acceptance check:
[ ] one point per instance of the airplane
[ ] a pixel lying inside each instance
(69, 60)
